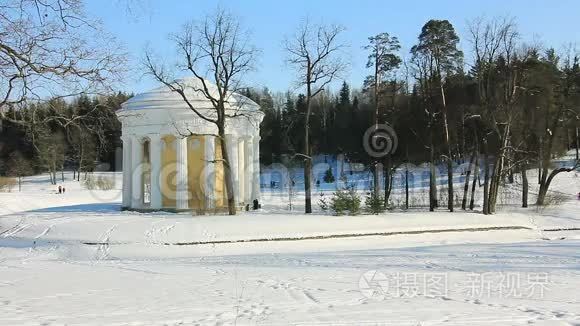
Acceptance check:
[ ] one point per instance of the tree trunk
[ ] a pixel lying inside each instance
(486, 178)
(53, 168)
(388, 181)
(498, 169)
(376, 100)
(568, 140)
(407, 182)
(466, 185)
(432, 181)
(307, 187)
(19, 183)
(475, 178)
(577, 144)
(376, 179)
(228, 176)
(525, 186)
(81, 154)
(447, 145)
(308, 160)
(495, 181)
(540, 160)
(545, 185)
(450, 193)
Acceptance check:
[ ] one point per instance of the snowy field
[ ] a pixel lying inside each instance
(76, 259)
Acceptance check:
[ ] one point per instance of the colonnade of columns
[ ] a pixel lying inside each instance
(244, 161)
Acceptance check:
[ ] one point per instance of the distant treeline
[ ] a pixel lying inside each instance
(57, 135)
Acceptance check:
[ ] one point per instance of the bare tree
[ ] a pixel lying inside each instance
(492, 40)
(51, 49)
(19, 166)
(314, 52)
(51, 152)
(216, 48)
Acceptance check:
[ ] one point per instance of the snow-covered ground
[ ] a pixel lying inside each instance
(76, 259)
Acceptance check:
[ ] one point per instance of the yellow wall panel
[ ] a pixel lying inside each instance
(195, 171)
(168, 172)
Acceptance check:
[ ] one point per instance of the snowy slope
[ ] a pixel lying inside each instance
(76, 259)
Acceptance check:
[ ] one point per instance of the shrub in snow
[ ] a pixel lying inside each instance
(554, 198)
(374, 203)
(6, 184)
(323, 203)
(328, 176)
(99, 183)
(345, 202)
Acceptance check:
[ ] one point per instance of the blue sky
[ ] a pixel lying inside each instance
(139, 22)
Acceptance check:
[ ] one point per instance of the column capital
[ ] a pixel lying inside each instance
(155, 137)
(126, 138)
(180, 136)
(140, 139)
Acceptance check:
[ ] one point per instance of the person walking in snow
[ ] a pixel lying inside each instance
(63, 190)
(59, 190)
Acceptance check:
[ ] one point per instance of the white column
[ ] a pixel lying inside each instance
(248, 169)
(127, 170)
(181, 191)
(155, 154)
(241, 172)
(232, 145)
(209, 172)
(137, 173)
(256, 169)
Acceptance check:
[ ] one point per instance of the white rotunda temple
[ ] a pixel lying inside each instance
(172, 155)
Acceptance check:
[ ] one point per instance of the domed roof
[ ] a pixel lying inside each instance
(165, 98)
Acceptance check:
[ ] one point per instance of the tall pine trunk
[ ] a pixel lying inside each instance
(376, 100)
(466, 185)
(447, 145)
(432, 181)
(388, 180)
